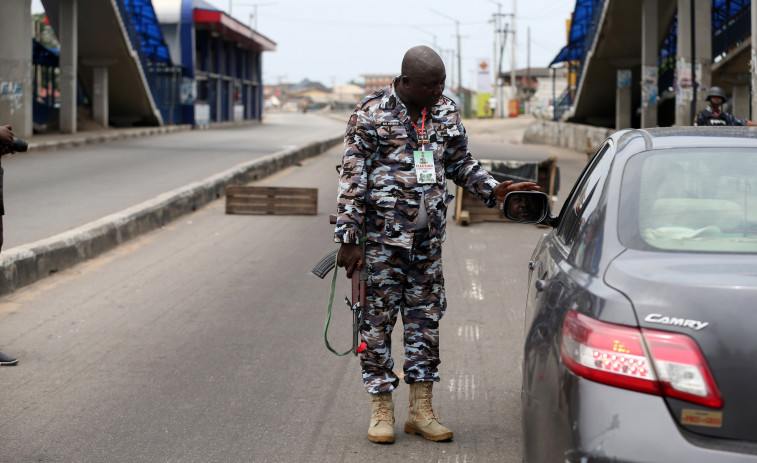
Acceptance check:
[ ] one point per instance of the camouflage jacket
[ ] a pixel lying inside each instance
(378, 183)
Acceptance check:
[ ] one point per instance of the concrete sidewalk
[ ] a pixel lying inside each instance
(53, 141)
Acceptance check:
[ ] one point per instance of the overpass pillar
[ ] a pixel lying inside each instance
(16, 90)
(687, 104)
(623, 100)
(100, 97)
(100, 88)
(739, 99)
(69, 51)
(649, 52)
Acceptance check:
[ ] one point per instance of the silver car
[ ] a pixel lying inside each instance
(641, 316)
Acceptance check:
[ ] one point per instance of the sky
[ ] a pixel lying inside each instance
(336, 41)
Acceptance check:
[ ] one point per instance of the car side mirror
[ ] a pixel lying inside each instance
(526, 206)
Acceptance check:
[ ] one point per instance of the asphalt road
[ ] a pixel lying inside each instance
(203, 341)
(49, 192)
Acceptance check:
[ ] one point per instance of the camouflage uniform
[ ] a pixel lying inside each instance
(378, 189)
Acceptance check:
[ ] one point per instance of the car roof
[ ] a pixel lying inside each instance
(683, 137)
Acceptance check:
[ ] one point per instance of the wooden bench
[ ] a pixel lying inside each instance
(271, 200)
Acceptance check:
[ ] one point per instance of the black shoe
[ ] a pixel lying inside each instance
(7, 360)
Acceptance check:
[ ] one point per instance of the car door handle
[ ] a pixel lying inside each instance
(540, 285)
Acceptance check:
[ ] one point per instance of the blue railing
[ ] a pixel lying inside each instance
(162, 76)
(731, 24)
(583, 29)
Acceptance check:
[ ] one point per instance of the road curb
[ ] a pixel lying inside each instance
(25, 264)
(91, 138)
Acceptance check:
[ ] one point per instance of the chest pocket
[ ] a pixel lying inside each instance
(392, 140)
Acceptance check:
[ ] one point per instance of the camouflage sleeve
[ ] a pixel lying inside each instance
(462, 168)
(359, 144)
(733, 120)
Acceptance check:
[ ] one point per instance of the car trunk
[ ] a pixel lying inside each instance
(713, 299)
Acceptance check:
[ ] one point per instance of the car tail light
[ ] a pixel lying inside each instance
(617, 355)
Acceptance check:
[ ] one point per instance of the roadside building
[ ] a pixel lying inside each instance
(375, 82)
(220, 58)
(309, 94)
(347, 96)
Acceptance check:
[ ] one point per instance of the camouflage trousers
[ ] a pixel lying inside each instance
(410, 282)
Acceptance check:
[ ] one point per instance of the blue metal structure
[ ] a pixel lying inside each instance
(215, 75)
(667, 60)
(731, 25)
(583, 28)
(163, 77)
(46, 62)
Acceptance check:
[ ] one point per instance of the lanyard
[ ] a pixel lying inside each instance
(423, 129)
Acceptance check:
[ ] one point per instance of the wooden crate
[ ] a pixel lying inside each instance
(271, 200)
(469, 209)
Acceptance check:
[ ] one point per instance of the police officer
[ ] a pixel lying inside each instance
(402, 144)
(714, 115)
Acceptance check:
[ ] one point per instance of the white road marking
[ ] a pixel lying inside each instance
(463, 387)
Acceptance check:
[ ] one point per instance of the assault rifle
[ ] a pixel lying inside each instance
(359, 284)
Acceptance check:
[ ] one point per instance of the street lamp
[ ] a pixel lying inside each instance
(459, 60)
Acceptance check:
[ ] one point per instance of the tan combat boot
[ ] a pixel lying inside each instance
(382, 418)
(421, 418)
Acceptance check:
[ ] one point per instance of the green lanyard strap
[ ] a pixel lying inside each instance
(357, 312)
(328, 317)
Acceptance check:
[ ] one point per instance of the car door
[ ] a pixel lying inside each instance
(549, 281)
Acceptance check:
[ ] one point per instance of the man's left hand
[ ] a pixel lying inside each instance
(501, 190)
(6, 139)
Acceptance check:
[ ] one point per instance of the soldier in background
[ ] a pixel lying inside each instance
(713, 114)
(397, 204)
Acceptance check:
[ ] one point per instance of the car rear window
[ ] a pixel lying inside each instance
(690, 200)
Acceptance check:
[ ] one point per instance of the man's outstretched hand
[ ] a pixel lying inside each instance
(501, 190)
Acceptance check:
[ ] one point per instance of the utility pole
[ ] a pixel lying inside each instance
(497, 65)
(528, 71)
(459, 59)
(504, 30)
(512, 71)
(254, 16)
(449, 56)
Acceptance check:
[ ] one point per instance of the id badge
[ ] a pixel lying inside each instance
(424, 166)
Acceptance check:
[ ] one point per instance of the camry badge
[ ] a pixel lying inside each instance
(682, 322)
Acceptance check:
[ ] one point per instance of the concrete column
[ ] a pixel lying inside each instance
(740, 99)
(100, 88)
(703, 18)
(703, 59)
(623, 100)
(69, 57)
(100, 97)
(649, 41)
(16, 91)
